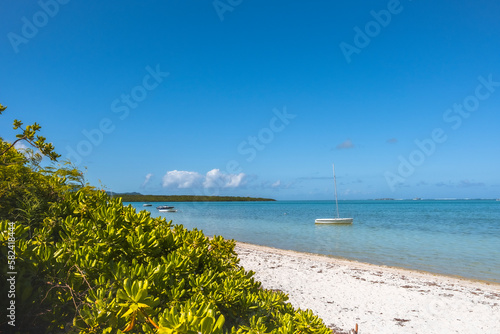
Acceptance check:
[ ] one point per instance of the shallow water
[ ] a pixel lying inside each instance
(451, 237)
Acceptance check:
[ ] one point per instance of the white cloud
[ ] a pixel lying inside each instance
(217, 179)
(444, 184)
(461, 184)
(181, 179)
(278, 185)
(213, 179)
(147, 179)
(347, 144)
(20, 146)
(468, 183)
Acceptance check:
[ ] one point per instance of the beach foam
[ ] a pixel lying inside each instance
(379, 299)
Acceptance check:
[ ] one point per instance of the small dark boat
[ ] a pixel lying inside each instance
(164, 207)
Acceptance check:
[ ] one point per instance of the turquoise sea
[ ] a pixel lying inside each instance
(451, 237)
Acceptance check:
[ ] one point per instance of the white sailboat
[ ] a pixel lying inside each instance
(337, 220)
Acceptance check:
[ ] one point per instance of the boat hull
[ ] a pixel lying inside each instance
(334, 221)
(167, 210)
(164, 207)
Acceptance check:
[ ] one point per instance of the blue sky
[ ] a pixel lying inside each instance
(259, 98)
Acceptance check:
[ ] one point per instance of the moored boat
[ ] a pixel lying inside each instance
(166, 208)
(337, 220)
(334, 221)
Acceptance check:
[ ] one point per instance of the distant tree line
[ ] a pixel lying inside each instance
(135, 197)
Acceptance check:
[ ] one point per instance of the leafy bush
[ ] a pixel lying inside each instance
(87, 264)
(95, 266)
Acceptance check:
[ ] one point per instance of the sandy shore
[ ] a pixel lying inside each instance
(379, 299)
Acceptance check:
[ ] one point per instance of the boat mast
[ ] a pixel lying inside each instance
(335, 182)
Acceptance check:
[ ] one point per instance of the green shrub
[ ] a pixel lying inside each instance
(85, 263)
(95, 266)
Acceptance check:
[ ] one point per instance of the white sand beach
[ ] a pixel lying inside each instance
(379, 299)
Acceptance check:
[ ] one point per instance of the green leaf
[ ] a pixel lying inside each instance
(207, 325)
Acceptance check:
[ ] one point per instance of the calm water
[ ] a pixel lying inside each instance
(447, 237)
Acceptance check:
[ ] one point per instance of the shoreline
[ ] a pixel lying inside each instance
(380, 299)
(334, 258)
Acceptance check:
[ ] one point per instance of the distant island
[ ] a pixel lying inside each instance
(137, 197)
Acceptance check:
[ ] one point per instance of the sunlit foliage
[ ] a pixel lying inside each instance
(87, 264)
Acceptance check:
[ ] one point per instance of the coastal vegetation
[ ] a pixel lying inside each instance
(82, 262)
(136, 197)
